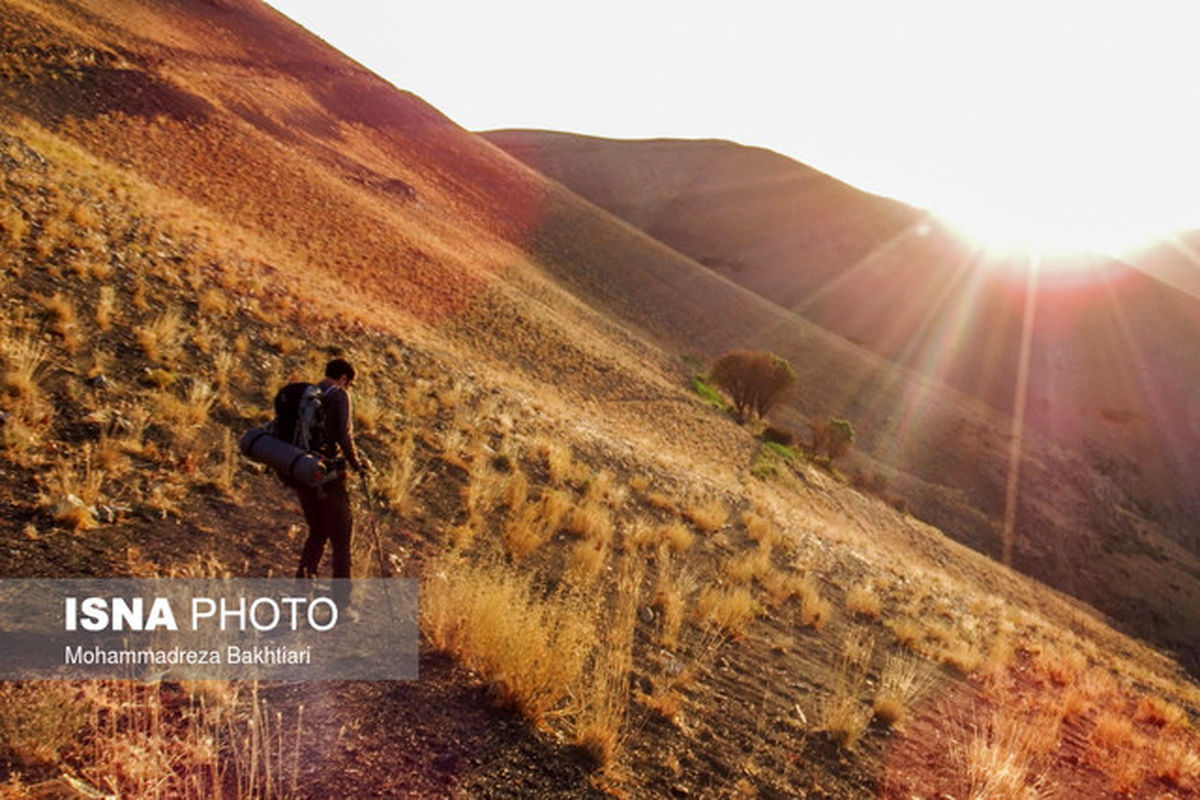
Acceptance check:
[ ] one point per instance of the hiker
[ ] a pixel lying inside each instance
(327, 507)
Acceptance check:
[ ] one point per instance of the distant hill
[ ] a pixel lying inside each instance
(1107, 371)
(1174, 260)
(1111, 386)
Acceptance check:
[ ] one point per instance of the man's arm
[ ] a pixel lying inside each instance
(339, 423)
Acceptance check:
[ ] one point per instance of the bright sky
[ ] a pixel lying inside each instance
(1049, 122)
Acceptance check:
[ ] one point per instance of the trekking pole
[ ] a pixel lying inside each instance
(383, 571)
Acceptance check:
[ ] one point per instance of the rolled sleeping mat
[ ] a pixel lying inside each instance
(308, 469)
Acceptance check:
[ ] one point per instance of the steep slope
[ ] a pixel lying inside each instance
(203, 201)
(1107, 378)
(1174, 260)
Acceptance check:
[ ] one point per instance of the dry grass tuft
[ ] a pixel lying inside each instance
(212, 303)
(189, 411)
(1160, 713)
(585, 561)
(63, 323)
(14, 226)
(642, 534)
(1177, 764)
(160, 340)
(677, 536)
(1061, 665)
(863, 600)
(398, 482)
(815, 610)
(902, 682)
(707, 516)
(841, 714)
(516, 491)
(728, 608)
(557, 459)
(105, 308)
(604, 709)
(135, 746)
(908, 631)
(368, 411)
(998, 761)
(534, 523)
(962, 655)
(531, 648)
(72, 491)
(749, 566)
(590, 521)
(24, 361)
(660, 500)
(673, 588)
(760, 529)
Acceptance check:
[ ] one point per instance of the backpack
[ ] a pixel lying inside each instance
(295, 443)
(300, 417)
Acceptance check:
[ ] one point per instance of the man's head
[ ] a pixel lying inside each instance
(340, 372)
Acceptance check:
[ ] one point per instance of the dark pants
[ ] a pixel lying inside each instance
(327, 512)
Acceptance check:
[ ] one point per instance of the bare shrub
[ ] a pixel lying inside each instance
(756, 381)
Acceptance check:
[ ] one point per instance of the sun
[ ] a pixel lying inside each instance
(1052, 222)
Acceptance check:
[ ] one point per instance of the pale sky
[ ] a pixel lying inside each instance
(1051, 122)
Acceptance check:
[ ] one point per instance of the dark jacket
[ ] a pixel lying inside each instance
(339, 435)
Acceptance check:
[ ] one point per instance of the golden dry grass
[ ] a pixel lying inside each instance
(998, 761)
(527, 529)
(749, 566)
(136, 746)
(673, 589)
(759, 529)
(815, 610)
(585, 561)
(105, 311)
(161, 338)
(531, 648)
(862, 599)
(1160, 713)
(516, 491)
(677, 536)
(902, 681)
(590, 521)
(842, 714)
(24, 360)
(729, 609)
(72, 490)
(63, 322)
(600, 725)
(557, 459)
(707, 515)
(398, 480)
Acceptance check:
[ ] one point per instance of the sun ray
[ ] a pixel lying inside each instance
(1020, 397)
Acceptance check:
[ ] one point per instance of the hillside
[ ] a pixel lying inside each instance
(203, 201)
(1175, 261)
(1109, 384)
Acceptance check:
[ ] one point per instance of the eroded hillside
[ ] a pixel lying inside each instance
(1090, 350)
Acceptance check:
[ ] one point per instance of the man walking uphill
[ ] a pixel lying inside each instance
(327, 507)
